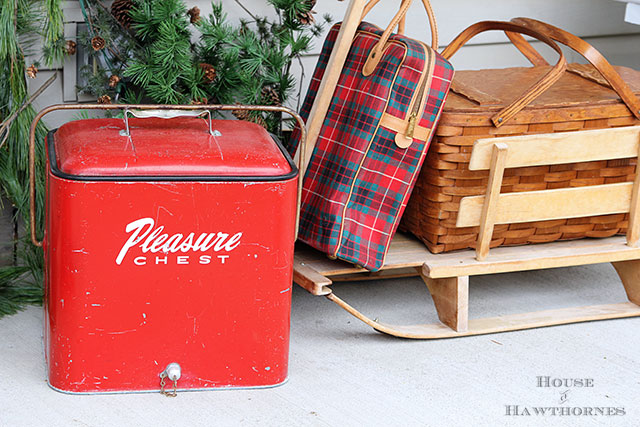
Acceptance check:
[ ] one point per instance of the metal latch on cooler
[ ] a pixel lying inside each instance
(173, 373)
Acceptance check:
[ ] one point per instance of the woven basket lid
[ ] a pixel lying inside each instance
(477, 91)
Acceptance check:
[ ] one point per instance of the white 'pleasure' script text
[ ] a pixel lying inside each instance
(156, 241)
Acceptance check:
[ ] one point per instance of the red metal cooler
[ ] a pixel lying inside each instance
(169, 249)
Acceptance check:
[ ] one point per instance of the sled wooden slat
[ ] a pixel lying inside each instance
(562, 203)
(558, 148)
(531, 257)
(520, 321)
(404, 252)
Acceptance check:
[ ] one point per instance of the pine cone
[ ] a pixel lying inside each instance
(97, 43)
(120, 10)
(248, 117)
(270, 96)
(241, 114)
(194, 14)
(306, 18)
(104, 99)
(209, 72)
(32, 71)
(71, 47)
(199, 101)
(113, 80)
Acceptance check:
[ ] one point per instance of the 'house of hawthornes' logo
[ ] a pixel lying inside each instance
(565, 388)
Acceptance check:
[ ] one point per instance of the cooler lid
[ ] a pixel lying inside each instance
(167, 148)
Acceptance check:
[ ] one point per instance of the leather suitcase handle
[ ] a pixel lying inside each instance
(402, 25)
(398, 20)
(531, 93)
(371, 5)
(171, 110)
(590, 53)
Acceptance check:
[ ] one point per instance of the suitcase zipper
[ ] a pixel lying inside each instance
(411, 127)
(415, 111)
(415, 106)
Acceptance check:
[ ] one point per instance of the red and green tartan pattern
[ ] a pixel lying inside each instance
(358, 181)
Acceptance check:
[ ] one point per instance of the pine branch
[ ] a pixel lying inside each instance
(246, 10)
(7, 123)
(54, 32)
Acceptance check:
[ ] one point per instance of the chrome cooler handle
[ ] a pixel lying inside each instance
(146, 110)
(164, 114)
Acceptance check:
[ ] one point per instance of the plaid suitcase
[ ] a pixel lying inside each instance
(372, 143)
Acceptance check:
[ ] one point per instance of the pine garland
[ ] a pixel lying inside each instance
(157, 62)
(166, 67)
(20, 284)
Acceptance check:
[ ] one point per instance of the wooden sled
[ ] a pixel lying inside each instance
(447, 275)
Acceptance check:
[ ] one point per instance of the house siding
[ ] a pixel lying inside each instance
(601, 22)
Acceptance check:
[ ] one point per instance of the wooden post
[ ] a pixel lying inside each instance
(330, 80)
(633, 230)
(451, 298)
(487, 220)
(629, 272)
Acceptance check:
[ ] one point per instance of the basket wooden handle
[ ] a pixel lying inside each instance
(531, 93)
(590, 53)
(398, 20)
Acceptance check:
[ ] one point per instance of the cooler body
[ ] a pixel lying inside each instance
(143, 271)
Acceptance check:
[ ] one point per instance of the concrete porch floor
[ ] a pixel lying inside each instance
(342, 373)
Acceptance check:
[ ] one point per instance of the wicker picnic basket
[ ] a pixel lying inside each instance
(561, 98)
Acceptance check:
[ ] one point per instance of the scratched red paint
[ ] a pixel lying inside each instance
(140, 274)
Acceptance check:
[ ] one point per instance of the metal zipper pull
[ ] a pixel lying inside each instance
(405, 141)
(412, 125)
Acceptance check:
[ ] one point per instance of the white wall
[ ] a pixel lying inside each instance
(601, 22)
